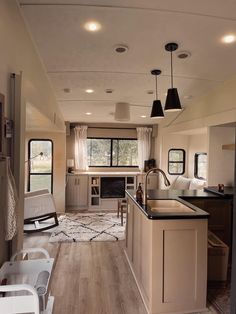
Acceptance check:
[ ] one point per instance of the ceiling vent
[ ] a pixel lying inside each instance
(109, 91)
(121, 48)
(183, 54)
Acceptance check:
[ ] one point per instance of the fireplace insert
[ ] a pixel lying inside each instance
(112, 187)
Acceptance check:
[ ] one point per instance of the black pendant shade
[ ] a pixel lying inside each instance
(172, 100)
(157, 111)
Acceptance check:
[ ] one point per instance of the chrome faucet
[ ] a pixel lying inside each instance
(154, 170)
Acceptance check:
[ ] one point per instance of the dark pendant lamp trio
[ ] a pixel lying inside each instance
(172, 99)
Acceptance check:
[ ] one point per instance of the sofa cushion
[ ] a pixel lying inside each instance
(196, 184)
(180, 183)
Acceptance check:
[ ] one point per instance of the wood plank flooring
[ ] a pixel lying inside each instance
(91, 278)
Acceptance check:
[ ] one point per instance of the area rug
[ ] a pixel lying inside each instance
(88, 227)
(220, 298)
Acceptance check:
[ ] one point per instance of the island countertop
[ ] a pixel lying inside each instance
(181, 196)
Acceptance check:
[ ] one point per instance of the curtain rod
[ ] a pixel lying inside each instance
(105, 128)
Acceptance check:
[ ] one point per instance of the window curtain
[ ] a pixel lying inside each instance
(144, 145)
(81, 162)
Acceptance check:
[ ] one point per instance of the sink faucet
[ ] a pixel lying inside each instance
(154, 170)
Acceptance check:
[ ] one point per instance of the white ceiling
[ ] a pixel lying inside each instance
(77, 59)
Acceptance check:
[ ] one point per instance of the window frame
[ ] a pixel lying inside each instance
(39, 173)
(111, 149)
(196, 155)
(178, 162)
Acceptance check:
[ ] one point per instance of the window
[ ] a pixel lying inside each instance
(40, 165)
(176, 161)
(112, 152)
(200, 165)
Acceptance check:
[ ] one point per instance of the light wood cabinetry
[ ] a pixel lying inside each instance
(94, 191)
(168, 259)
(95, 194)
(77, 191)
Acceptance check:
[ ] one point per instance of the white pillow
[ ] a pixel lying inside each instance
(196, 184)
(180, 183)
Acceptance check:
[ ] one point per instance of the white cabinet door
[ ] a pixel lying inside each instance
(129, 230)
(77, 191)
(83, 191)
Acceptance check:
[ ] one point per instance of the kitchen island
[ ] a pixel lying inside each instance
(166, 248)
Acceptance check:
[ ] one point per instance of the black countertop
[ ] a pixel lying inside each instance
(178, 195)
(228, 191)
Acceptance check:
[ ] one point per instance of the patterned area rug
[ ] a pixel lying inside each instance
(88, 227)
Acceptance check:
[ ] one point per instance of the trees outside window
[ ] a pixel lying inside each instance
(111, 152)
(40, 165)
(200, 166)
(176, 161)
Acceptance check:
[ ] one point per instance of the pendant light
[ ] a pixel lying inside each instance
(157, 111)
(172, 99)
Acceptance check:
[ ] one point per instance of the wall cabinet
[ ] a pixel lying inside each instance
(77, 192)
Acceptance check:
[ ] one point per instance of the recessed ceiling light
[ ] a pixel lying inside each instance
(228, 39)
(88, 113)
(92, 26)
(89, 91)
(143, 116)
(121, 48)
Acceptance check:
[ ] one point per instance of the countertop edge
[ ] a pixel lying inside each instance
(198, 212)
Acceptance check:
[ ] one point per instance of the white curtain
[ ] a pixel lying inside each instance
(144, 145)
(81, 162)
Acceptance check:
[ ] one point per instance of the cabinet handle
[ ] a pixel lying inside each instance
(78, 181)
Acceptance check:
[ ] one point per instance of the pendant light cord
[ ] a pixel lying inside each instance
(156, 86)
(171, 66)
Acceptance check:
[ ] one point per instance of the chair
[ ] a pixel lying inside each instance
(39, 211)
(122, 205)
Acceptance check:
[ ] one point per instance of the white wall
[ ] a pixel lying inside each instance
(221, 162)
(195, 143)
(59, 163)
(167, 142)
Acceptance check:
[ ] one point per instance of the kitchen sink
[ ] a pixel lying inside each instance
(168, 206)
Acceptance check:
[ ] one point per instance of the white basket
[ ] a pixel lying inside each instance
(20, 293)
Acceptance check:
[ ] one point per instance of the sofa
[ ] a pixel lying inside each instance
(183, 183)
